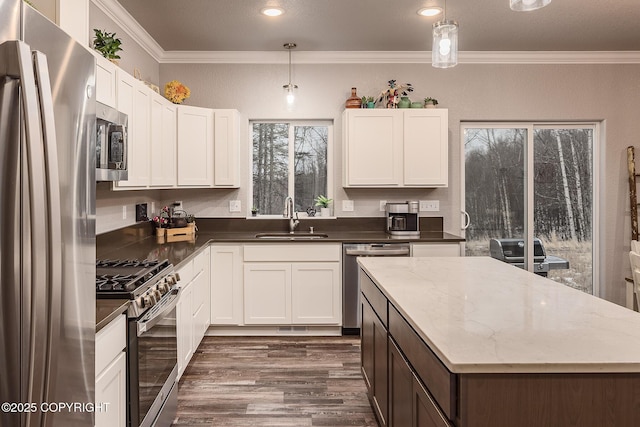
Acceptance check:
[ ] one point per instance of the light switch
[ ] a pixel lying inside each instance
(347, 206)
(235, 206)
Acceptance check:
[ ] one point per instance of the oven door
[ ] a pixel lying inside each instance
(153, 361)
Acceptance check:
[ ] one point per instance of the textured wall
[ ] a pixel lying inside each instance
(607, 93)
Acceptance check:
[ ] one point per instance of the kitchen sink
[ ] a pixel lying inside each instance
(291, 236)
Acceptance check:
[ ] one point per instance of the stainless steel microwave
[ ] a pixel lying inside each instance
(111, 144)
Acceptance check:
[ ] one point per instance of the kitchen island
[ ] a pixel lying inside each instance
(476, 342)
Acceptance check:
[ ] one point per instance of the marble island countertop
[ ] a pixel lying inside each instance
(480, 315)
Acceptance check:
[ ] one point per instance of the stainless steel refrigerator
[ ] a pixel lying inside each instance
(47, 222)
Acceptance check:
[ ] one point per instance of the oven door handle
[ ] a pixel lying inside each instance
(144, 324)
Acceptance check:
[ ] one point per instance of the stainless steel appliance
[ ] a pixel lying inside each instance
(511, 251)
(47, 221)
(152, 343)
(351, 309)
(111, 144)
(402, 219)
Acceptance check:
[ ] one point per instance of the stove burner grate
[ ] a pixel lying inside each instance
(127, 263)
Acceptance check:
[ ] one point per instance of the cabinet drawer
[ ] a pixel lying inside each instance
(375, 297)
(110, 341)
(200, 261)
(186, 274)
(296, 252)
(439, 381)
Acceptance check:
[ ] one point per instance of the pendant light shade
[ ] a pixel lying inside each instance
(444, 52)
(527, 5)
(289, 89)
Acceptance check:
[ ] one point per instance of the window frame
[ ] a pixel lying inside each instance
(291, 172)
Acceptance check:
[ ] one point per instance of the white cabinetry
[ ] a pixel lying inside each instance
(70, 15)
(106, 81)
(395, 148)
(111, 373)
(162, 154)
(208, 147)
(193, 310)
(292, 284)
(435, 249)
(226, 285)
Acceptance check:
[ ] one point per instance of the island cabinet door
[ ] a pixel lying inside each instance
(374, 361)
(400, 389)
(425, 411)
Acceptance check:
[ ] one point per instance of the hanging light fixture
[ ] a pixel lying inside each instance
(444, 52)
(527, 5)
(289, 88)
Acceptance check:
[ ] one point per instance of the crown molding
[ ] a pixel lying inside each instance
(118, 14)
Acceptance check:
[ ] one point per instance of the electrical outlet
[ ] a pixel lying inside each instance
(383, 205)
(235, 206)
(124, 212)
(141, 212)
(347, 206)
(429, 205)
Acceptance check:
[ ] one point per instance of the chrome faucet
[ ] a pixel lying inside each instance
(289, 212)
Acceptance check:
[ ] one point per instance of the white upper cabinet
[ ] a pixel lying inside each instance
(163, 142)
(195, 146)
(395, 148)
(208, 147)
(106, 81)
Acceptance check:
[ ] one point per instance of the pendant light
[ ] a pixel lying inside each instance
(527, 5)
(289, 88)
(444, 52)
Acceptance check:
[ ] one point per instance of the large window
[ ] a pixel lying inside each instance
(533, 181)
(290, 159)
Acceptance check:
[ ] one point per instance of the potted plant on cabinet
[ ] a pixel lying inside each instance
(323, 202)
(430, 102)
(254, 211)
(107, 44)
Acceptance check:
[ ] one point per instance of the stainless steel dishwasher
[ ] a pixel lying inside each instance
(351, 317)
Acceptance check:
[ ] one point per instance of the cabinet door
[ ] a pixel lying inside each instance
(374, 360)
(195, 146)
(400, 389)
(425, 410)
(184, 320)
(138, 143)
(163, 142)
(373, 147)
(226, 170)
(316, 294)
(435, 249)
(267, 293)
(111, 387)
(226, 285)
(106, 82)
(426, 149)
(201, 297)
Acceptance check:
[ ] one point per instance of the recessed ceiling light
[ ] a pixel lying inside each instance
(272, 11)
(430, 11)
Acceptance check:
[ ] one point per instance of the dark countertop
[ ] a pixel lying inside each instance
(139, 242)
(108, 309)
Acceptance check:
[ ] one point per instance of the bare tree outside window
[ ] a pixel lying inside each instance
(289, 159)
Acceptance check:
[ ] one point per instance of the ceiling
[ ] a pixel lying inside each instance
(387, 25)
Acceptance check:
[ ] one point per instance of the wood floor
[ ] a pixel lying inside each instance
(279, 381)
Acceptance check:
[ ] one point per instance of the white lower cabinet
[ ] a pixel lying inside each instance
(226, 284)
(295, 284)
(193, 309)
(435, 249)
(111, 374)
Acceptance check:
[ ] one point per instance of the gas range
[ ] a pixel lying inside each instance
(143, 282)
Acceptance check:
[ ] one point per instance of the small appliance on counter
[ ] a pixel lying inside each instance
(402, 218)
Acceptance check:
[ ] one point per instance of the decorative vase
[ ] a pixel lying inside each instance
(430, 105)
(371, 104)
(325, 212)
(404, 102)
(416, 104)
(354, 100)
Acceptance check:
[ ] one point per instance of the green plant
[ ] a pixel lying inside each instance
(370, 99)
(323, 201)
(431, 100)
(107, 44)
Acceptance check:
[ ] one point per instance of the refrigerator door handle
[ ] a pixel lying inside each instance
(34, 261)
(54, 217)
